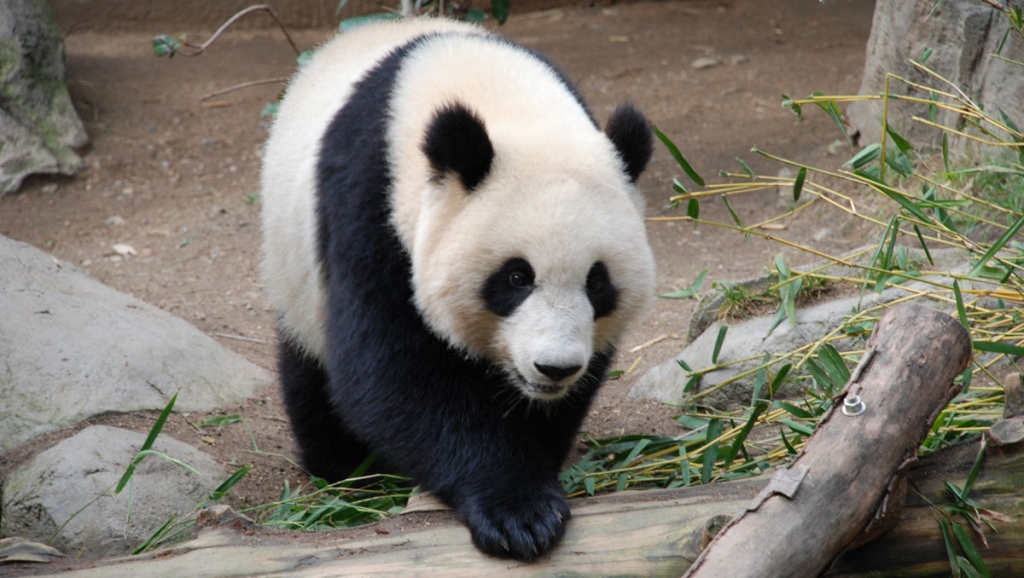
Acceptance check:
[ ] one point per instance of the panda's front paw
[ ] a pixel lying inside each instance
(521, 523)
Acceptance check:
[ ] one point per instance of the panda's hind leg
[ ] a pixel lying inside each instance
(327, 449)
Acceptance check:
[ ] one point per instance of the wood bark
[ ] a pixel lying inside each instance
(849, 479)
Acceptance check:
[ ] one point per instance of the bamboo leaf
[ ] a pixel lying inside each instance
(759, 379)
(737, 443)
(798, 427)
(746, 168)
(834, 364)
(900, 142)
(787, 102)
(693, 208)
(227, 484)
(999, 347)
(833, 111)
(711, 452)
(920, 238)
(997, 246)
(865, 156)
(798, 184)
(971, 551)
(678, 156)
(501, 9)
(789, 447)
(735, 217)
(781, 375)
(153, 537)
(945, 151)
(950, 550)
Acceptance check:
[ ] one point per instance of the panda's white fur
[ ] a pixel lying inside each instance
(556, 195)
(291, 272)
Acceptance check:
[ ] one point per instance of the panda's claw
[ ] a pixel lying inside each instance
(520, 523)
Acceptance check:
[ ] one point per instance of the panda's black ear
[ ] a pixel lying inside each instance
(631, 134)
(457, 141)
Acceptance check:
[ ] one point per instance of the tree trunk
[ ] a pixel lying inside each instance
(850, 479)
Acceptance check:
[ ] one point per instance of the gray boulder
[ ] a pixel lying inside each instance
(39, 127)
(72, 348)
(750, 339)
(962, 35)
(49, 490)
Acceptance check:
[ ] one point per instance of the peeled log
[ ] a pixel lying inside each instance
(852, 471)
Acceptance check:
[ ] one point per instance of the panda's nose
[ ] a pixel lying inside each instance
(555, 372)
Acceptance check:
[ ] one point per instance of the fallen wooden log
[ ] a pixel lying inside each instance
(661, 532)
(654, 533)
(849, 481)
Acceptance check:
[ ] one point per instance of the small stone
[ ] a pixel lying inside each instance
(115, 221)
(738, 59)
(705, 62)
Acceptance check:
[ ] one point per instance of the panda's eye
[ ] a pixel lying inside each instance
(518, 279)
(507, 287)
(601, 290)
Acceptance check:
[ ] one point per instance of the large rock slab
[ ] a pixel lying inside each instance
(39, 128)
(71, 348)
(50, 489)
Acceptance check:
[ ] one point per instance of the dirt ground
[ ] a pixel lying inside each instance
(175, 176)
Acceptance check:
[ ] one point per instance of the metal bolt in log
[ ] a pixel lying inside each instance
(847, 483)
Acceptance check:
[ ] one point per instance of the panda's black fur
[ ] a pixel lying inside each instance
(388, 383)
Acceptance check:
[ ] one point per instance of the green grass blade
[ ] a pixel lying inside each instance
(158, 426)
(718, 343)
(997, 246)
(678, 156)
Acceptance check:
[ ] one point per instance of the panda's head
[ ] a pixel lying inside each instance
(528, 247)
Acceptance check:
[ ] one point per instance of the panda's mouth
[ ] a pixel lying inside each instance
(541, 391)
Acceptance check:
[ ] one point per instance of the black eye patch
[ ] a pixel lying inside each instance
(508, 287)
(601, 292)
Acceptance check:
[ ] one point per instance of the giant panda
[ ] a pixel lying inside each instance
(452, 248)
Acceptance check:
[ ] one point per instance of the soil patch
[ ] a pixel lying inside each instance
(175, 176)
